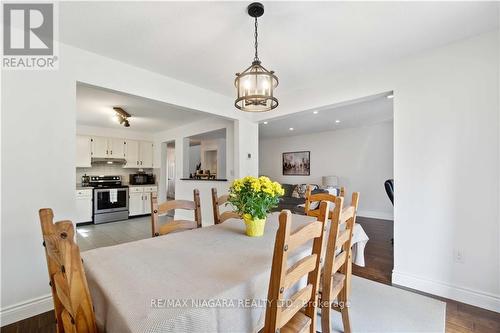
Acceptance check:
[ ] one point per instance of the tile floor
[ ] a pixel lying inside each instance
(99, 235)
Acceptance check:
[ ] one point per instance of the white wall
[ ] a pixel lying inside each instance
(446, 163)
(216, 150)
(122, 133)
(38, 129)
(361, 157)
(184, 188)
(194, 158)
(246, 148)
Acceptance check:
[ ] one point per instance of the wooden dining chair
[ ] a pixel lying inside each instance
(318, 197)
(298, 312)
(337, 269)
(72, 302)
(158, 210)
(216, 203)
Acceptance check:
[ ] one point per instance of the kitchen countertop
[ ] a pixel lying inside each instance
(206, 180)
(79, 187)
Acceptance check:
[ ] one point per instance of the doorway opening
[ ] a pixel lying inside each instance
(170, 170)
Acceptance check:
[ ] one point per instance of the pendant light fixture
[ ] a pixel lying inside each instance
(255, 85)
(121, 116)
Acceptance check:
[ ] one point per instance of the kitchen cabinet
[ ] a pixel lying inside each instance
(116, 148)
(83, 206)
(99, 147)
(140, 199)
(147, 202)
(132, 154)
(135, 203)
(138, 154)
(83, 151)
(108, 147)
(146, 154)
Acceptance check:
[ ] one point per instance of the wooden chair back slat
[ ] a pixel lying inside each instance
(337, 270)
(278, 314)
(347, 213)
(299, 269)
(318, 197)
(297, 302)
(72, 302)
(165, 207)
(216, 203)
(304, 234)
(175, 225)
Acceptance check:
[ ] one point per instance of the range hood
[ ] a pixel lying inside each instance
(96, 160)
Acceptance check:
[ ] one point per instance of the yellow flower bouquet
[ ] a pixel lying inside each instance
(253, 198)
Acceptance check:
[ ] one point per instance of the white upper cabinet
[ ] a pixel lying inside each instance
(116, 148)
(99, 147)
(146, 154)
(108, 147)
(83, 151)
(138, 154)
(132, 154)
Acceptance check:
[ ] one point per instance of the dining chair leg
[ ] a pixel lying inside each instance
(348, 274)
(345, 319)
(325, 318)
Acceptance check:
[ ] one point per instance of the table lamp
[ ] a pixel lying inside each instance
(330, 181)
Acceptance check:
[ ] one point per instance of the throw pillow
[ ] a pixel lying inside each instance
(300, 190)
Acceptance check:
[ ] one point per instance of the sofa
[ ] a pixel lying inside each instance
(295, 196)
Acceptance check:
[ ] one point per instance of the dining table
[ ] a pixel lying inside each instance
(210, 279)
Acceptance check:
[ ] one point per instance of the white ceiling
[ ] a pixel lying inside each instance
(95, 108)
(368, 111)
(206, 43)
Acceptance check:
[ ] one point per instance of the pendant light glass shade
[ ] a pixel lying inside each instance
(255, 89)
(255, 85)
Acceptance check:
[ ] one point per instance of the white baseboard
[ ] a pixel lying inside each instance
(20, 311)
(473, 297)
(376, 214)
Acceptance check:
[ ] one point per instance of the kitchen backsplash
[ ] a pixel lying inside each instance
(109, 170)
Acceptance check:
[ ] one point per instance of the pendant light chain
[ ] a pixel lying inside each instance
(256, 58)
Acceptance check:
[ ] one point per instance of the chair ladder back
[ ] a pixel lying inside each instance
(337, 271)
(175, 225)
(73, 307)
(219, 201)
(283, 312)
(310, 198)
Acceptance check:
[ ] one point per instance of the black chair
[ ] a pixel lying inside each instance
(389, 189)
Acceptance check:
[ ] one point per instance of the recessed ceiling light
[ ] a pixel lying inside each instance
(337, 121)
(390, 96)
(265, 123)
(315, 112)
(291, 128)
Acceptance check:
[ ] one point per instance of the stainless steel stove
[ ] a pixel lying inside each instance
(110, 199)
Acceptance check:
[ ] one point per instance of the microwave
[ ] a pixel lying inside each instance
(142, 179)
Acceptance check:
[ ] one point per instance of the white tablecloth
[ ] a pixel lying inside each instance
(178, 282)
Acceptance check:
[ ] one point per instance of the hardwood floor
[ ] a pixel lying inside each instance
(379, 260)
(379, 257)
(460, 318)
